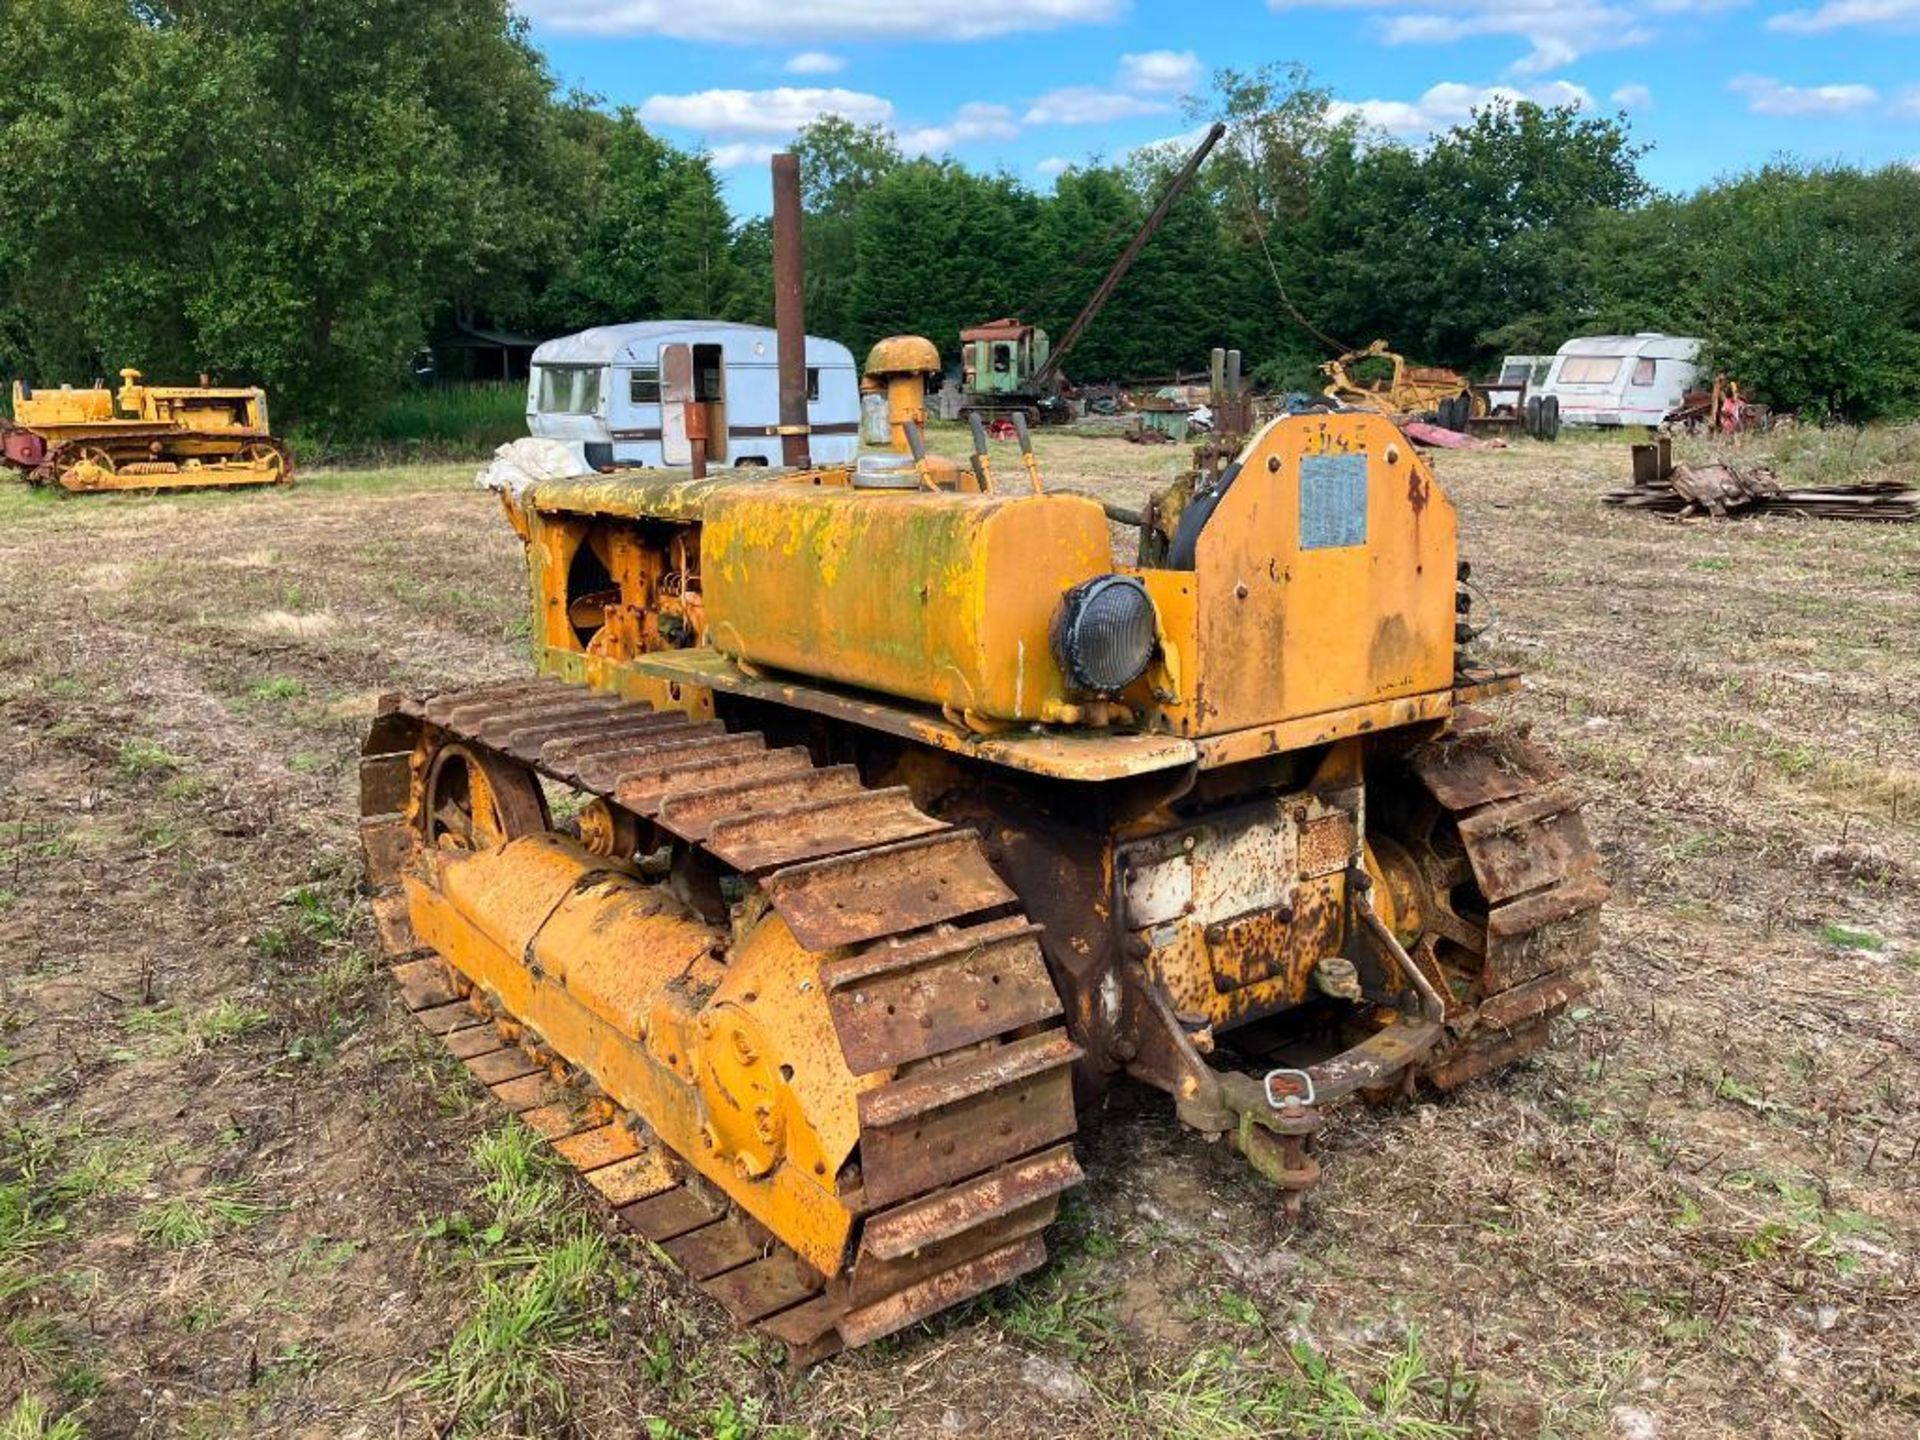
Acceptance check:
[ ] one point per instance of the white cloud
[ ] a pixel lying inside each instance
(750, 125)
(1451, 103)
(1555, 32)
(764, 21)
(1164, 72)
(1845, 14)
(1767, 96)
(745, 152)
(1906, 105)
(815, 62)
(1633, 97)
(973, 121)
(1090, 105)
(1053, 165)
(763, 112)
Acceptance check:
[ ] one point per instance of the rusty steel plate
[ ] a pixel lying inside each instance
(384, 783)
(644, 791)
(530, 741)
(553, 1120)
(1485, 1050)
(818, 828)
(726, 1244)
(1463, 775)
(528, 1092)
(636, 1178)
(446, 1020)
(438, 709)
(1524, 845)
(423, 984)
(1551, 991)
(496, 1067)
(904, 886)
(900, 1002)
(691, 813)
(590, 1149)
(945, 1214)
(765, 1287)
(673, 1213)
(1544, 932)
(946, 1289)
(628, 731)
(392, 923)
(464, 710)
(386, 844)
(940, 1126)
(468, 1044)
(605, 771)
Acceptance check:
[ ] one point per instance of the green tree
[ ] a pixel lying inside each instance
(697, 276)
(284, 191)
(940, 248)
(840, 164)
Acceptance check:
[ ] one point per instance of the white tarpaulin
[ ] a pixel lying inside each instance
(521, 463)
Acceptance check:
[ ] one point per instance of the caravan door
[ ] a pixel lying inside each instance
(699, 373)
(676, 390)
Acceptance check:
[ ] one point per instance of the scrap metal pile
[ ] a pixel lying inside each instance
(1721, 490)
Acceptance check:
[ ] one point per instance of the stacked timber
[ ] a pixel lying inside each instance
(1721, 490)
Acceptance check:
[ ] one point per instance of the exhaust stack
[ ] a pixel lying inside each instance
(790, 312)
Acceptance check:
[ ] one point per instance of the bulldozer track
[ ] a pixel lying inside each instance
(217, 472)
(1497, 816)
(932, 976)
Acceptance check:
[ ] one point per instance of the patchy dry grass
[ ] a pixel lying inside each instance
(239, 1196)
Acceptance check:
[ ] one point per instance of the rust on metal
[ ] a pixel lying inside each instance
(901, 1001)
(885, 891)
(944, 1215)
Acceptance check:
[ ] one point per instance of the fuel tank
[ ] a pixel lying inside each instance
(934, 596)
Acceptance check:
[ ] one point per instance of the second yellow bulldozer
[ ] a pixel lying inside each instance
(143, 437)
(863, 824)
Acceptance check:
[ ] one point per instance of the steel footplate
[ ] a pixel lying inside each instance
(964, 1152)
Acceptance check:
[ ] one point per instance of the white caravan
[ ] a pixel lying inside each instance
(601, 388)
(1621, 379)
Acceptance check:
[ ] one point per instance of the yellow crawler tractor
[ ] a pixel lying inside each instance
(143, 437)
(863, 823)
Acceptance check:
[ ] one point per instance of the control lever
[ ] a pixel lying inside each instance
(1026, 449)
(917, 443)
(982, 471)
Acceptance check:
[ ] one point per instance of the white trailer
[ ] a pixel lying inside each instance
(601, 389)
(1621, 379)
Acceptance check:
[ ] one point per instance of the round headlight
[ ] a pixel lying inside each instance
(1104, 633)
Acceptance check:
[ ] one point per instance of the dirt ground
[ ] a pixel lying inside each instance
(241, 1196)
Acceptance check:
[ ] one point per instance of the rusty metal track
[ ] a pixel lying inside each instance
(1524, 846)
(964, 1151)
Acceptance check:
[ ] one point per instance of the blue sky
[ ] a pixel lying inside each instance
(1034, 85)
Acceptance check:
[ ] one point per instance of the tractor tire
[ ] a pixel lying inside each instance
(1532, 413)
(1550, 417)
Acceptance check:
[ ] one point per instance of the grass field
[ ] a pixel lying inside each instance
(240, 1195)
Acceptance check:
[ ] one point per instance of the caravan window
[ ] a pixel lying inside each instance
(643, 385)
(1643, 371)
(1590, 369)
(569, 389)
(813, 383)
(1515, 372)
